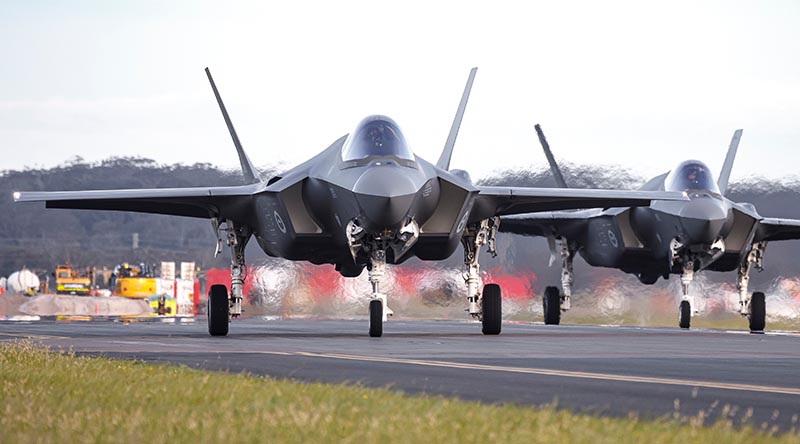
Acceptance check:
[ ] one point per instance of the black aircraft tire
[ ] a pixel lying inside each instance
(492, 307)
(375, 318)
(551, 305)
(684, 314)
(218, 317)
(758, 312)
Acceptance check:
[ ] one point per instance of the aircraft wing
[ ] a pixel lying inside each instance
(500, 201)
(772, 229)
(203, 202)
(545, 224)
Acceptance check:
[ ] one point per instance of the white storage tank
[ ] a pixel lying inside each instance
(22, 281)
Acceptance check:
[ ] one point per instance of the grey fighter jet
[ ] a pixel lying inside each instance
(708, 232)
(364, 202)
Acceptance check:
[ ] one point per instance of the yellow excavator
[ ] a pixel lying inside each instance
(140, 282)
(134, 281)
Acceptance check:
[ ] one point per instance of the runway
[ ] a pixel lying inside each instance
(652, 372)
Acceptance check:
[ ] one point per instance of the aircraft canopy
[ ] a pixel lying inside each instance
(691, 175)
(376, 136)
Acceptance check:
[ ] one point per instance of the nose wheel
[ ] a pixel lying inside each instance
(379, 310)
(684, 314)
(685, 308)
(375, 318)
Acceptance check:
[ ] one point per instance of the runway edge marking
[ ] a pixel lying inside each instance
(562, 373)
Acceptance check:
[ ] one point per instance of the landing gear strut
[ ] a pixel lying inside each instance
(221, 307)
(685, 308)
(753, 307)
(554, 302)
(379, 311)
(487, 305)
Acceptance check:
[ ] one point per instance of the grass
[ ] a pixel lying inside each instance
(57, 397)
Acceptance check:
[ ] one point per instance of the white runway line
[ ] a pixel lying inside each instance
(565, 373)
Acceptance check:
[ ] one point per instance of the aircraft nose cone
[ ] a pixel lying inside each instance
(703, 220)
(385, 195)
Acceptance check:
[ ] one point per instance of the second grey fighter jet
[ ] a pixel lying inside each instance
(364, 202)
(709, 232)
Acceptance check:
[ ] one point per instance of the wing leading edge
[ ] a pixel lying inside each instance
(203, 202)
(501, 201)
(774, 229)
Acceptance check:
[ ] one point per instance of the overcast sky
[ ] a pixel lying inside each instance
(639, 84)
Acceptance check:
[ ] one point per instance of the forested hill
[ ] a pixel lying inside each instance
(39, 239)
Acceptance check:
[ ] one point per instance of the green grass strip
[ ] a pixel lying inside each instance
(48, 397)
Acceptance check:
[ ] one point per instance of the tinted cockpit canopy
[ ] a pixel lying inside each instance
(376, 136)
(691, 175)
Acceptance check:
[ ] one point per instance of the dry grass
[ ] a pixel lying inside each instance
(50, 397)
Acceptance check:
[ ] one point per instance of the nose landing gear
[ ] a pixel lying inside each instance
(379, 311)
(685, 308)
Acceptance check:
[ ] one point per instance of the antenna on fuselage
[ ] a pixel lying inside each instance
(725, 174)
(250, 173)
(447, 153)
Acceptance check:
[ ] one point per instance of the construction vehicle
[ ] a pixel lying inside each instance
(134, 281)
(72, 280)
(163, 305)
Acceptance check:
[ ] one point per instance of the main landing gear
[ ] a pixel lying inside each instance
(554, 302)
(487, 306)
(222, 307)
(218, 311)
(753, 307)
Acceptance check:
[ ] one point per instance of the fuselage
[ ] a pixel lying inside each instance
(367, 191)
(708, 231)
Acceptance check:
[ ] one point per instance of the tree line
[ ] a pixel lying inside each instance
(39, 239)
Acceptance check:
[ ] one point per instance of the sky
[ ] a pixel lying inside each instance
(643, 85)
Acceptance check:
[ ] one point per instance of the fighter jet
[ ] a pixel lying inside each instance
(364, 202)
(708, 232)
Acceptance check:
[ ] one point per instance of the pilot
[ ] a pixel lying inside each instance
(695, 175)
(375, 135)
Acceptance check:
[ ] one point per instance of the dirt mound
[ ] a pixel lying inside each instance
(10, 304)
(52, 305)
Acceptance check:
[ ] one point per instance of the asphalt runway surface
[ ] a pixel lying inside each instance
(652, 372)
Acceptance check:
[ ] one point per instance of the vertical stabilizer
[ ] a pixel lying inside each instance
(249, 171)
(447, 153)
(725, 174)
(550, 159)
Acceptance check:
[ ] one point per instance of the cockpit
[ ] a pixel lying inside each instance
(691, 175)
(377, 136)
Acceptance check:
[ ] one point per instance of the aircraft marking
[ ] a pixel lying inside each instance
(279, 222)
